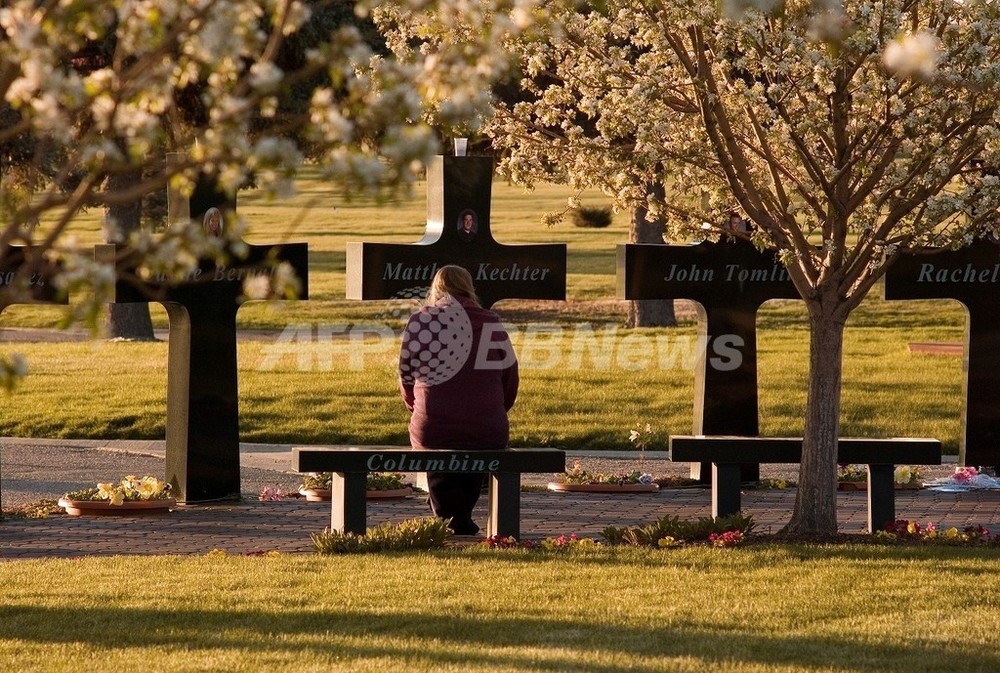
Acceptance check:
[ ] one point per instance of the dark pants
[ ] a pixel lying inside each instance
(453, 496)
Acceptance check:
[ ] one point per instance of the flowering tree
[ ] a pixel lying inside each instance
(844, 131)
(93, 91)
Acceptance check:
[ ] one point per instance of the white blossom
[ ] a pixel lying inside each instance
(257, 287)
(265, 77)
(913, 54)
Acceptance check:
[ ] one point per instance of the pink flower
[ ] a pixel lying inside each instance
(270, 494)
(963, 475)
(730, 538)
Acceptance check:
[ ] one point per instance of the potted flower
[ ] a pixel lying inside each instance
(637, 481)
(317, 486)
(131, 495)
(578, 480)
(852, 477)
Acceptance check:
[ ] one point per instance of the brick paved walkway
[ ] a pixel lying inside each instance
(285, 525)
(34, 469)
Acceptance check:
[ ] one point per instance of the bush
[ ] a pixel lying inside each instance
(426, 533)
(672, 529)
(594, 218)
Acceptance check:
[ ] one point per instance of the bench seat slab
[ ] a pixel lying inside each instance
(726, 454)
(350, 466)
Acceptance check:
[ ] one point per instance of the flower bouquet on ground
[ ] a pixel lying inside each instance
(908, 477)
(318, 486)
(964, 479)
(581, 481)
(129, 496)
(852, 477)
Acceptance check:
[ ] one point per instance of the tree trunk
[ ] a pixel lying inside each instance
(816, 498)
(649, 312)
(126, 321)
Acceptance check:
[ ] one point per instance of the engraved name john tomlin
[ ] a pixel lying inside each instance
(731, 273)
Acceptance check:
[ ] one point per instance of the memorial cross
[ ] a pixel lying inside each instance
(457, 232)
(202, 433)
(970, 275)
(33, 286)
(730, 280)
(17, 287)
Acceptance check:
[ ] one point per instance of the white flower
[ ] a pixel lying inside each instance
(902, 475)
(913, 54)
(265, 77)
(257, 286)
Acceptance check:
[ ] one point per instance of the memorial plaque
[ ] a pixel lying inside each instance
(457, 232)
(203, 443)
(971, 276)
(730, 280)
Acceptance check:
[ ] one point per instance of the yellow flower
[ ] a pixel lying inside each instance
(116, 497)
(665, 541)
(105, 491)
(146, 490)
(951, 533)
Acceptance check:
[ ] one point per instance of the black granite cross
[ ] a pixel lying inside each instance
(203, 439)
(972, 276)
(458, 232)
(32, 287)
(729, 280)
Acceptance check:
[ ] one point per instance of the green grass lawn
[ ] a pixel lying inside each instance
(581, 387)
(790, 609)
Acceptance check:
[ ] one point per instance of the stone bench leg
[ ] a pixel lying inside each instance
(505, 505)
(349, 502)
(726, 484)
(881, 497)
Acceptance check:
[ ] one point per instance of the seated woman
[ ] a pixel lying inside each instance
(458, 377)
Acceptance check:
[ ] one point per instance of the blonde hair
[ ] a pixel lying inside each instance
(452, 280)
(213, 213)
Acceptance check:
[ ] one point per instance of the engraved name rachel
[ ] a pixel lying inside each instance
(930, 273)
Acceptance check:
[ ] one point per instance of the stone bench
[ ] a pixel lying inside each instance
(350, 466)
(880, 455)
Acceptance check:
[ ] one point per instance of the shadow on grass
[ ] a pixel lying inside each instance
(316, 635)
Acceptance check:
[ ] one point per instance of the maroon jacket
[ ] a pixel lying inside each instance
(458, 377)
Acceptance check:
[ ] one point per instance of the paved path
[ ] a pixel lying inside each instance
(284, 526)
(33, 469)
